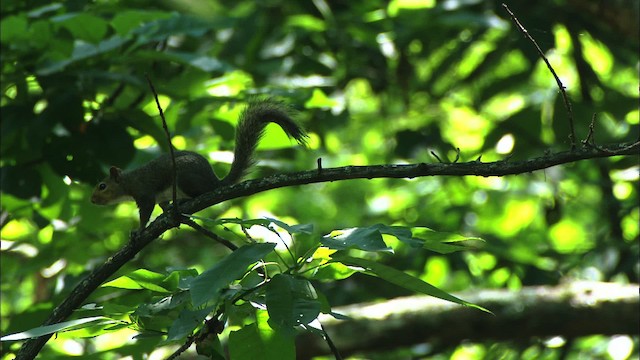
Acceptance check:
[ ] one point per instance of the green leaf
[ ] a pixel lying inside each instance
(307, 22)
(187, 321)
(207, 286)
(364, 238)
(83, 26)
(291, 302)
(259, 341)
(63, 326)
(441, 242)
(199, 61)
(403, 279)
(177, 24)
(333, 271)
(172, 303)
(429, 239)
(126, 21)
(140, 279)
(82, 50)
(178, 278)
(13, 28)
(293, 229)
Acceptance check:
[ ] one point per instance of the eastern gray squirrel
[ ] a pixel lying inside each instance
(152, 182)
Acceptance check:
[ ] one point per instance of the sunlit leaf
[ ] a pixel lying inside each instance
(259, 341)
(403, 279)
(50, 329)
(365, 238)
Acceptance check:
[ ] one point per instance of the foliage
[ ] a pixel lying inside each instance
(375, 82)
(170, 307)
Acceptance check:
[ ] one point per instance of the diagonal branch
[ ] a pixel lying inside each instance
(164, 222)
(567, 103)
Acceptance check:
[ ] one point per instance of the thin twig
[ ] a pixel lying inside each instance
(210, 234)
(173, 156)
(567, 103)
(184, 347)
(457, 156)
(437, 157)
(332, 346)
(589, 138)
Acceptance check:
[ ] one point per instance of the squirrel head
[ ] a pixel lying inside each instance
(110, 190)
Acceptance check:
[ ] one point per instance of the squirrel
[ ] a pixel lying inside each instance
(152, 182)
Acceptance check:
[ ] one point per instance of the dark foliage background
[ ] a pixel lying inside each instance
(374, 82)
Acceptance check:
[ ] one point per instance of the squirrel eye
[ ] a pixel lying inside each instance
(102, 186)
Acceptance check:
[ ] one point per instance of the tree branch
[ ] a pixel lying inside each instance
(565, 98)
(570, 310)
(165, 222)
(472, 168)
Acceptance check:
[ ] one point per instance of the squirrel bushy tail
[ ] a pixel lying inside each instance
(250, 129)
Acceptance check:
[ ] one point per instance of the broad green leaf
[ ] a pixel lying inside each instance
(123, 282)
(13, 28)
(364, 238)
(293, 229)
(280, 346)
(140, 279)
(440, 242)
(125, 21)
(177, 24)
(50, 329)
(178, 279)
(83, 26)
(307, 22)
(207, 286)
(259, 341)
(43, 10)
(291, 302)
(174, 301)
(403, 279)
(187, 321)
(443, 242)
(82, 50)
(199, 61)
(332, 271)
(321, 266)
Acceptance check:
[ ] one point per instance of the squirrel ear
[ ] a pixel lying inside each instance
(115, 172)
